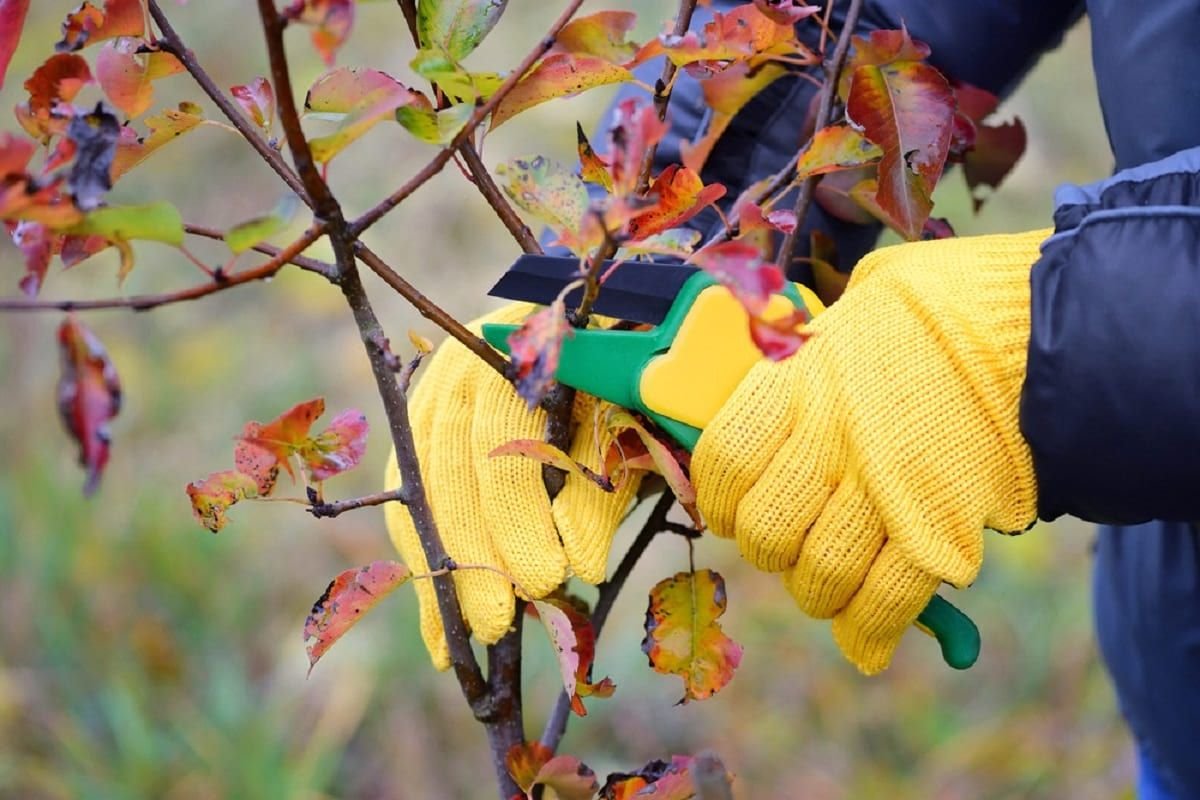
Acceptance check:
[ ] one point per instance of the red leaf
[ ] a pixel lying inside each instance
(749, 216)
(683, 636)
(37, 246)
(256, 462)
(535, 348)
(89, 395)
(678, 194)
(786, 12)
(12, 22)
(877, 49)
(937, 228)
(669, 460)
(287, 433)
(331, 21)
(635, 129)
(780, 337)
(574, 644)
(87, 24)
(347, 598)
(906, 108)
(77, 248)
(558, 75)
(257, 99)
(740, 268)
(532, 763)
(213, 496)
(338, 448)
(51, 86)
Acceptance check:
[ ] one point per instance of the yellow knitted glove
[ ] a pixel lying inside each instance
(866, 467)
(495, 511)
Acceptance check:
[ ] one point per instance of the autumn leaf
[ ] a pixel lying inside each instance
(431, 125)
(12, 22)
(678, 195)
(87, 24)
(554, 195)
(214, 495)
(740, 268)
(834, 194)
(155, 222)
(168, 126)
(243, 236)
(727, 93)
(347, 598)
(743, 34)
(36, 244)
(287, 433)
(574, 643)
(786, 12)
(834, 148)
(525, 760)
(331, 21)
(558, 75)
(89, 396)
(532, 763)
(906, 108)
(78, 27)
(668, 461)
(682, 778)
(749, 216)
(546, 453)
(601, 34)
(94, 138)
(452, 78)
(52, 87)
(879, 48)
(257, 463)
(358, 99)
(25, 198)
(338, 448)
(126, 72)
(534, 349)
(683, 636)
(458, 26)
(991, 151)
(257, 99)
(677, 242)
(635, 129)
(592, 167)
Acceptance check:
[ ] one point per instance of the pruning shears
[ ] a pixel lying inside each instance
(679, 372)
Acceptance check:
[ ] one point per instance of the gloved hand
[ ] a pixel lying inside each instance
(495, 511)
(866, 467)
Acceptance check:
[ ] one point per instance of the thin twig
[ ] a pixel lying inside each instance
(409, 9)
(173, 44)
(664, 87)
(145, 302)
(833, 72)
(339, 507)
(444, 155)
(322, 268)
(556, 725)
(430, 310)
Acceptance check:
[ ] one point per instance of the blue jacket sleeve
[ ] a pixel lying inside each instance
(1111, 402)
(989, 43)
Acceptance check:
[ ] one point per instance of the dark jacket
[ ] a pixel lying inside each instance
(1111, 404)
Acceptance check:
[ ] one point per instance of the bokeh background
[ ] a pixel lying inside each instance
(142, 657)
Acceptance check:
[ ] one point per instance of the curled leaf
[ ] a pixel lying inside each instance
(678, 194)
(338, 448)
(89, 396)
(36, 244)
(535, 348)
(287, 433)
(257, 99)
(683, 636)
(532, 763)
(574, 643)
(834, 148)
(214, 495)
(666, 459)
(347, 598)
(168, 126)
(87, 24)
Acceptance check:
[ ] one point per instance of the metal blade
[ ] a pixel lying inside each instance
(639, 291)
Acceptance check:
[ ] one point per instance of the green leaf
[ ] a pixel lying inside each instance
(241, 238)
(455, 81)
(155, 222)
(429, 125)
(457, 25)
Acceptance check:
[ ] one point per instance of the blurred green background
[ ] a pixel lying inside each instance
(141, 657)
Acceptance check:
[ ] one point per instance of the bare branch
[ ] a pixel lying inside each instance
(495, 198)
(339, 507)
(322, 268)
(662, 89)
(409, 9)
(833, 71)
(173, 44)
(145, 302)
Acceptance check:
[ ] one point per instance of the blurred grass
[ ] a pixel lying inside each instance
(143, 658)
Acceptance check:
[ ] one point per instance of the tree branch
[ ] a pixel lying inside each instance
(833, 71)
(556, 725)
(173, 44)
(322, 268)
(444, 155)
(495, 198)
(664, 87)
(339, 507)
(145, 302)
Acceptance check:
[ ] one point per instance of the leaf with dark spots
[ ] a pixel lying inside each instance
(601, 34)
(592, 167)
(95, 138)
(214, 495)
(12, 22)
(574, 641)
(285, 434)
(348, 597)
(254, 461)
(678, 194)
(78, 27)
(535, 348)
(89, 396)
(558, 75)
(36, 244)
(683, 636)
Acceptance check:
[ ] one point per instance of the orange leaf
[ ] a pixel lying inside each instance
(592, 167)
(36, 244)
(331, 21)
(906, 108)
(525, 760)
(836, 148)
(89, 395)
(744, 34)
(52, 85)
(78, 27)
(668, 460)
(213, 496)
(125, 73)
(347, 598)
(558, 75)
(546, 453)
(679, 195)
(574, 644)
(133, 149)
(683, 636)
(601, 34)
(286, 433)
(879, 48)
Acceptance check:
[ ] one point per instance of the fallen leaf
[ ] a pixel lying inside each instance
(347, 598)
(558, 75)
(89, 396)
(574, 643)
(683, 636)
(214, 495)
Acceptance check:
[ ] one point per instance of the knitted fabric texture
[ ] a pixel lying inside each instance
(495, 511)
(866, 467)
